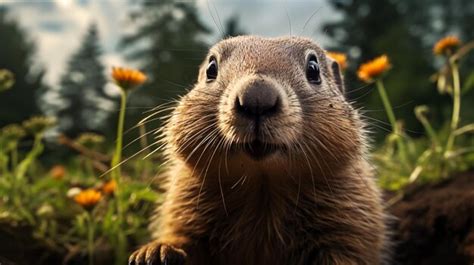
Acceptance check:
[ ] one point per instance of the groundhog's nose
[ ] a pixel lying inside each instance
(257, 99)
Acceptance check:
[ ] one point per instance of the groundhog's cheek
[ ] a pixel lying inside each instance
(188, 128)
(343, 138)
(285, 129)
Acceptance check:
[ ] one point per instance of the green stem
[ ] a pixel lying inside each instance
(428, 128)
(391, 117)
(115, 165)
(387, 105)
(19, 182)
(21, 209)
(3, 163)
(116, 172)
(121, 256)
(89, 167)
(116, 175)
(14, 153)
(30, 157)
(90, 238)
(456, 106)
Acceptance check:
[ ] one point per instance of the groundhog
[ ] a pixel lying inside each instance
(267, 164)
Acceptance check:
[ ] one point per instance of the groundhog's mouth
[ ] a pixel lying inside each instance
(259, 150)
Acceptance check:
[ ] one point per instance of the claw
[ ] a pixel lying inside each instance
(157, 254)
(152, 261)
(131, 259)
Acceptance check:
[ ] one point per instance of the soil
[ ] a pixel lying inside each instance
(18, 247)
(435, 223)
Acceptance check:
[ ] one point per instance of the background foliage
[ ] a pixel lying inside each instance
(406, 31)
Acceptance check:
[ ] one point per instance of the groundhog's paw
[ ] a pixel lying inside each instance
(157, 254)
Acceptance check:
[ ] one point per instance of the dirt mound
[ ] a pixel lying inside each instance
(436, 223)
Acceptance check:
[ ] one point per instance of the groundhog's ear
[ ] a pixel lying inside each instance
(337, 75)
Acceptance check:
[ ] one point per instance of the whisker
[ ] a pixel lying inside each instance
(309, 19)
(213, 18)
(125, 160)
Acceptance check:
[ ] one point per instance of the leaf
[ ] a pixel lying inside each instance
(146, 195)
(46, 184)
(30, 158)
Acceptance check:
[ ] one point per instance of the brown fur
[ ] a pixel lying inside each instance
(312, 202)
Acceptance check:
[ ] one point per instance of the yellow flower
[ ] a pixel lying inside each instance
(58, 172)
(109, 187)
(128, 78)
(373, 69)
(446, 45)
(340, 58)
(88, 198)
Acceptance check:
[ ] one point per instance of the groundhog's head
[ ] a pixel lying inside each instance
(264, 105)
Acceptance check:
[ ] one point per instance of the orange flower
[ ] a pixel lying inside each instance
(128, 78)
(373, 69)
(109, 187)
(58, 172)
(340, 58)
(446, 45)
(88, 198)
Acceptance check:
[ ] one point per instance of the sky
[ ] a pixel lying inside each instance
(57, 26)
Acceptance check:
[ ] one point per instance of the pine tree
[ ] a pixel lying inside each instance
(82, 89)
(370, 28)
(175, 47)
(169, 47)
(17, 55)
(406, 31)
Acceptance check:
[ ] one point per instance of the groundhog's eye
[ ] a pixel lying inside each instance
(312, 71)
(211, 71)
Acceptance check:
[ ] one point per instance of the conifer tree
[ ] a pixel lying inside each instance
(406, 31)
(82, 89)
(369, 28)
(17, 55)
(168, 45)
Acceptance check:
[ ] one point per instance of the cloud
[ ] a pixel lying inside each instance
(59, 25)
(270, 18)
